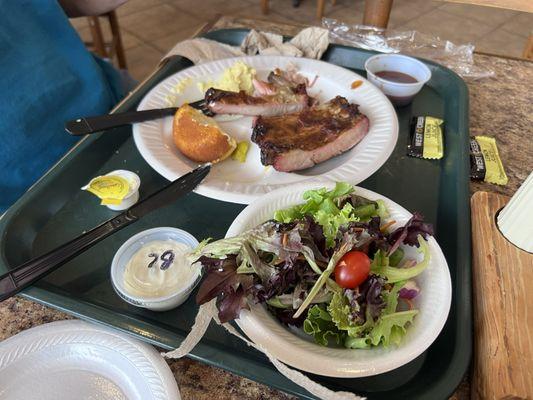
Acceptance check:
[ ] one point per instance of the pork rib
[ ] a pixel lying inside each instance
(283, 93)
(225, 102)
(303, 139)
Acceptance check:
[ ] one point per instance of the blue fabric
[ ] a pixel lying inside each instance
(46, 78)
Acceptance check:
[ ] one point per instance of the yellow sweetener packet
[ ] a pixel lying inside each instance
(110, 188)
(433, 138)
(494, 171)
(426, 138)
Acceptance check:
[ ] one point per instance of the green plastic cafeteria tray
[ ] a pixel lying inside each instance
(55, 210)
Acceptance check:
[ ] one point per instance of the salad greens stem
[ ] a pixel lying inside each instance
(380, 265)
(275, 302)
(331, 284)
(344, 248)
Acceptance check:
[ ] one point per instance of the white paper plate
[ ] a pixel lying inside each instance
(299, 350)
(75, 360)
(241, 183)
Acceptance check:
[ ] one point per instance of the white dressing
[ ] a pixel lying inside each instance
(159, 268)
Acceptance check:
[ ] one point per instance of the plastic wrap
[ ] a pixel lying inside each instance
(459, 58)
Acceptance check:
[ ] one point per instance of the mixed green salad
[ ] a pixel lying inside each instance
(331, 266)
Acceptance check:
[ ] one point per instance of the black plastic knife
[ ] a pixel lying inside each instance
(24, 275)
(88, 125)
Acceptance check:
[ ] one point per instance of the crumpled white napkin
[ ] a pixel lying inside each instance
(208, 312)
(309, 42)
(201, 50)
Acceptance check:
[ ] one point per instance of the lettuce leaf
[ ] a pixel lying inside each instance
(380, 265)
(396, 258)
(357, 342)
(250, 259)
(391, 298)
(382, 211)
(347, 244)
(224, 283)
(321, 204)
(333, 209)
(408, 234)
(288, 214)
(319, 325)
(356, 335)
(340, 311)
(391, 328)
(331, 219)
(342, 315)
(219, 249)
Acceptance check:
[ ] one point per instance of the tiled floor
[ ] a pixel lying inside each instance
(151, 27)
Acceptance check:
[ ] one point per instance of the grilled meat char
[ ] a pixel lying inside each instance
(279, 95)
(288, 101)
(300, 140)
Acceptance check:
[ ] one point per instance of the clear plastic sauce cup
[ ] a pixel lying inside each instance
(127, 251)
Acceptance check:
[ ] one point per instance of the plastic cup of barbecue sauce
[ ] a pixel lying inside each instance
(399, 77)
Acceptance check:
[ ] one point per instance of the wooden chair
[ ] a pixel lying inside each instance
(100, 46)
(377, 13)
(528, 50)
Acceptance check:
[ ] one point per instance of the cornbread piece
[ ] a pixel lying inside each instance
(199, 137)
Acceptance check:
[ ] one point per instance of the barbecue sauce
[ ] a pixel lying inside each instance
(395, 76)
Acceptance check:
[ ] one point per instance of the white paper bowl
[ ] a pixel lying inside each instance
(400, 94)
(300, 351)
(130, 247)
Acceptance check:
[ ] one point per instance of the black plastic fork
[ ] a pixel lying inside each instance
(88, 125)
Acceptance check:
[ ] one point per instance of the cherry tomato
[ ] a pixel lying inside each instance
(352, 269)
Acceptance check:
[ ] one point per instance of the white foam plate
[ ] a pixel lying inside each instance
(68, 360)
(300, 351)
(244, 182)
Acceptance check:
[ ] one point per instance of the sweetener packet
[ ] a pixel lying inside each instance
(485, 162)
(426, 138)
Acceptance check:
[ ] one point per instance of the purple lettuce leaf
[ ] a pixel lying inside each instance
(312, 235)
(220, 274)
(408, 234)
(369, 296)
(231, 302)
(375, 241)
(222, 282)
(284, 281)
(371, 291)
(264, 270)
(286, 316)
(409, 291)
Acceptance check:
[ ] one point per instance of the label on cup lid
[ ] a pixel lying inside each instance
(110, 188)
